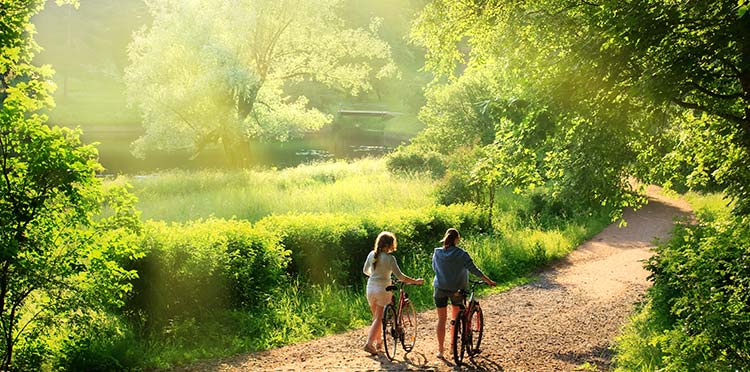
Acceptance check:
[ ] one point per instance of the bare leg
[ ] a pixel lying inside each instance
(455, 310)
(441, 313)
(375, 329)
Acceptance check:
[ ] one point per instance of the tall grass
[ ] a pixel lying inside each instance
(360, 187)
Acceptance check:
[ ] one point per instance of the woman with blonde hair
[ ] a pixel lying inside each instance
(379, 266)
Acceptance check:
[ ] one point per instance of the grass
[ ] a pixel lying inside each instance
(708, 206)
(300, 311)
(360, 187)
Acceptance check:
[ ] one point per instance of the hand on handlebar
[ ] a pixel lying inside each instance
(489, 281)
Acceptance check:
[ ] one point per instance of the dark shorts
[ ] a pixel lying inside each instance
(441, 297)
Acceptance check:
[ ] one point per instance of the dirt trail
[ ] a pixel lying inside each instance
(568, 317)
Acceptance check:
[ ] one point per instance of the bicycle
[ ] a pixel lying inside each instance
(399, 322)
(468, 326)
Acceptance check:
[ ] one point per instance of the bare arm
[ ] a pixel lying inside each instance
(403, 277)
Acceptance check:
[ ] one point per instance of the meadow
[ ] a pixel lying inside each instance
(361, 187)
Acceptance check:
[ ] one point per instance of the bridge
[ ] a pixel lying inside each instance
(388, 114)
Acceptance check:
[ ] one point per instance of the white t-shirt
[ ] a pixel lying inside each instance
(380, 276)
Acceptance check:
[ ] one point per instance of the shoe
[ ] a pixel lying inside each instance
(379, 346)
(371, 349)
(439, 355)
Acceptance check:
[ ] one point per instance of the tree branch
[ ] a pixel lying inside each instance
(3, 88)
(713, 94)
(732, 67)
(20, 331)
(694, 106)
(182, 118)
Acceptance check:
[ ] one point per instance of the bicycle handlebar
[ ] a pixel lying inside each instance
(398, 284)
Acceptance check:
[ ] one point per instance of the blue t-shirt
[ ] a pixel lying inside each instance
(452, 266)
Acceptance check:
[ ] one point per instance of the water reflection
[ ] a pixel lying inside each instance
(115, 156)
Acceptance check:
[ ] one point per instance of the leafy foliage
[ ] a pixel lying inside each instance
(410, 160)
(622, 72)
(194, 268)
(207, 73)
(698, 314)
(56, 263)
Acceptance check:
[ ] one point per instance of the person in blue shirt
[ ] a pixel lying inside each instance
(452, 266)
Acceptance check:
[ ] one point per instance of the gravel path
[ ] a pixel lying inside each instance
(564, 321)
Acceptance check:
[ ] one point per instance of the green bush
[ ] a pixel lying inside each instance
(410, 159)
(698, 314)
(331, 248)
(195, 268)
(455, 188)
(324, 247)
(99, 346)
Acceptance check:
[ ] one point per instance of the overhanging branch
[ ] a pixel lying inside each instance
(733, 118)
(714, 94)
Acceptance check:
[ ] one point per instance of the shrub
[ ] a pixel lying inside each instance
(410, 159)
(698, 317)
(100, 345)
(332, 247)
(324, 247)
(201, 266)
(455, 188)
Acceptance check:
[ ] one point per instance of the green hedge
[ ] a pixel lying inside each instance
(203, 266)
(330, 248)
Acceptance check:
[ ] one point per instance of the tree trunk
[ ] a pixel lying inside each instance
(8, 357)
(744, 77)
(236, 146)
(492, 202)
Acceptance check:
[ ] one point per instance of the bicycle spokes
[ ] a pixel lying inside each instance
(408, 326)
(390, 332)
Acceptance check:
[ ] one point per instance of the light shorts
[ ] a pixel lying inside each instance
(378, 295)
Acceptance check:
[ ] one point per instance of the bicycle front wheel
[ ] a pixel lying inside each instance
(458, 338)
(408, 324)
(476, 326)
(390, 333)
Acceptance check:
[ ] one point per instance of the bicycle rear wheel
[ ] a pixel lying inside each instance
(476, 326)
(390, 334)
(459, 347)
(408, 324)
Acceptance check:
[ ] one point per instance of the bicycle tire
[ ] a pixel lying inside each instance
(408, 323)
(390, 334)
(476, 327)
(458, 337)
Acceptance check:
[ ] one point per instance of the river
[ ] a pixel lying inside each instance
(349, 143)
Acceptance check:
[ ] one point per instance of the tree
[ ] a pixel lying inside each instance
(655, 89)
(207, 73)
(628, 69)
(53, 258)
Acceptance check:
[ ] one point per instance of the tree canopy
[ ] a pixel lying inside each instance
(612, 75)
(54, 259)
(215, 73)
